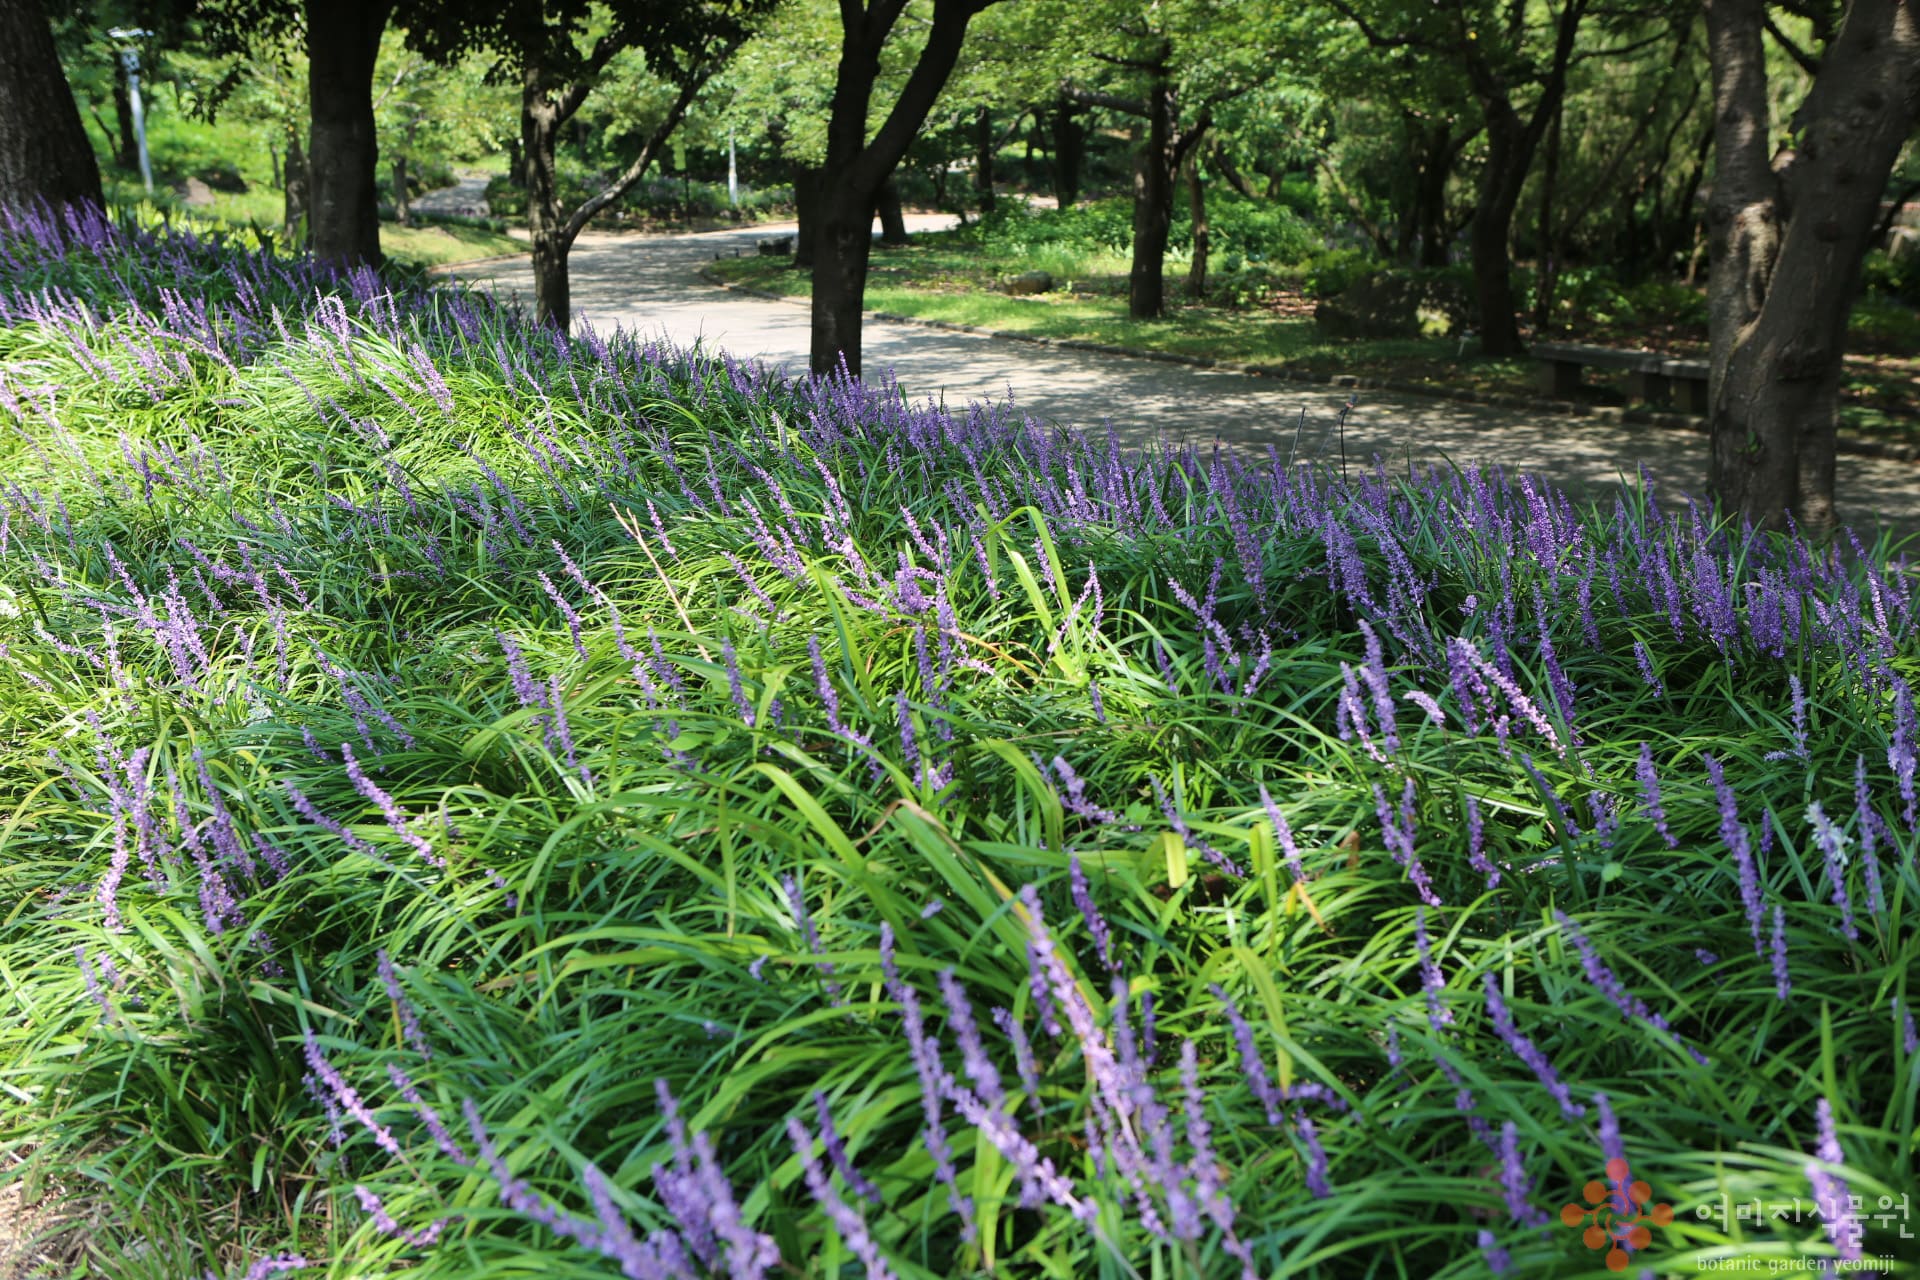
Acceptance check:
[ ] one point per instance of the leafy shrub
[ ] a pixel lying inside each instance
(1883, 324)
(483, 803)
(1880, 274)
(1258, 231)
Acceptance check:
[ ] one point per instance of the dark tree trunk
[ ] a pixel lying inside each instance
(1069, 152)
(1508, 159)
(856, 167)
(343, 38)
(1439, 152)
(540, 121)
(842, 246)
(1788, 234)
(893, 221)
(516, 161)
(1223, 164)
(1197, 211)
(44, 152)
(1152, 202)
(127, 150)
(1152, 223)
(299, 183)
(806, 209)
(1511, 143)
(983, 159)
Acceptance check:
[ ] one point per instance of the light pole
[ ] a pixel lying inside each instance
(733, 176)
(124, 38)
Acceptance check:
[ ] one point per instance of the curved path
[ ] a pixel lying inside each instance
(650, 283)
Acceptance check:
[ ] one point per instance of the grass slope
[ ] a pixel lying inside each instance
(490, 805)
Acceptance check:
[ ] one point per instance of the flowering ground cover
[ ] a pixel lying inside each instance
(477, 804)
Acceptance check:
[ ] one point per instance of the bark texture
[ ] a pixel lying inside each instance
(44, 152)
(343, 38)
(1787, 232)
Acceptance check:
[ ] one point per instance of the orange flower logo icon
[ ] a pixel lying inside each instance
(1617, 1212)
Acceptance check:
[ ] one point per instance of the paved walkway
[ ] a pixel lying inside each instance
(650, 283)
(466, 198)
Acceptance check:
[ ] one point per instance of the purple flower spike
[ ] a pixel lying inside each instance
(1833, 845)
(1477, 845)
(1090, 913)
(1283, 834)
(846, 1219)
(1600, 978)
(1432, 981)
(1734, 833)
(803, 921)
(1514, 1183)
(409, 1016)
(1830, 1194)
(1650, 795)
(734, 686)
(1910, 1036)
(1317, 1185)
(1782, 982)
(1528, 1052)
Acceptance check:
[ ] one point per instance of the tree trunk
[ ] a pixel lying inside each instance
(343, 38)
(516, 162)
(127, 149)
(298, 185)
(806, 209)
(539, 131)
(893, 221)
(1788, 233)
(983, 159)
(1069, 152)
(1152, 204)
(1508, 159)
(44, 152)
(400, 211)
(843, 245)
(1431, 199)
(856, 167)
(1197, 209)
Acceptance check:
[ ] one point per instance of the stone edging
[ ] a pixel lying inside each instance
(1566, 408)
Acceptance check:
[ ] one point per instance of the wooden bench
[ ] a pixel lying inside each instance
(1650, 375)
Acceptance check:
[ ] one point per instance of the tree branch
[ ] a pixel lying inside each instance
(1111, 101)
(1885, 227)
(1148, 65)
(649, 150)
(1374, 37)
(929, 75)
(1808, 63)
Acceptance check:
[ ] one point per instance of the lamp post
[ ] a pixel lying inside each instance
(124, 38)
(733, 175)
